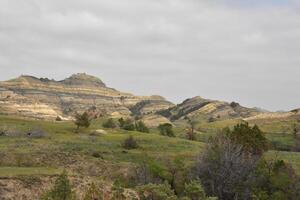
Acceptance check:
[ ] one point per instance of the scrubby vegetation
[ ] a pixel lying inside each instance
(166, 129)
(61, 190)
(234, 163)
(82, 120)
(110, 123)
(130, 143)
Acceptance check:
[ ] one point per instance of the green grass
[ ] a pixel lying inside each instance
(61, 147)
(291, 157)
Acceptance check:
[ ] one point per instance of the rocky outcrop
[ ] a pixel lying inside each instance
(43, 98)
(206, 109)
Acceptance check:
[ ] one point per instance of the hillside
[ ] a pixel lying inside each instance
(30, 164)
(47, 99)
(199, 108)
(43, 98)
(35, 152)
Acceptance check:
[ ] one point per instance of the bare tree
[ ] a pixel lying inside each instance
(226, 170)
(191, 132)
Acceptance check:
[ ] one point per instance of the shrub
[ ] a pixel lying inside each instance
(36, 134)
(82, 120)
(130, 143)
(61, 190)
(166, 129)
(109, 123)
(234, 104)
(156, 192)
(194, 190)
(93, 193)
(127, 124)
(118, 191)
(211, 119)
(121, 122)
(251, 138)
(276, 180)
(225, 169)
(141, 127)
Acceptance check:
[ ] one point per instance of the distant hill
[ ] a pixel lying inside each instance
(206, 109)
(43, 98)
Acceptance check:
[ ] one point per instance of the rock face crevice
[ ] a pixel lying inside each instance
(43, 98)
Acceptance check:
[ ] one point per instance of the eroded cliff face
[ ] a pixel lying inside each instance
(199, 109)
(46, 99)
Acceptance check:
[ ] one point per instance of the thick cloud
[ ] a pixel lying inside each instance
(246, 51)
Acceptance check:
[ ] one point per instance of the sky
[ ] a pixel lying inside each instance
(246, 51)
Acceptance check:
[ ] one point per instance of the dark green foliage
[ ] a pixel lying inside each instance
(130, 143)
(156, 192)
(127, 124)
(93, 193)
(61, 190)
(82, 120)
(276, 180)
(166, 129)
(251, 138)
(136, 109)
(194, 190)
(234, 104)
(121, 122)
(181, 110)
(176, 173)
(110, 123)
(141, 127)
(149, 171)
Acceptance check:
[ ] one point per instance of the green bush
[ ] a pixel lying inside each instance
(82, 120)
(127, 124)
(194, 190)
(130, 143)
(110, 123)
(166, 129)
(276, 180)
(156, 192)
(61, 190)
(141, 127)
(251, 138)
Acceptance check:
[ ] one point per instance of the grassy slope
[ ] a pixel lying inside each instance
(62, 148)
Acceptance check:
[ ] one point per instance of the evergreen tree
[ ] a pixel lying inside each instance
(166, 129)
(82, 120)
(61, 190)
(251, 138)
(109, 123)
(141, 127)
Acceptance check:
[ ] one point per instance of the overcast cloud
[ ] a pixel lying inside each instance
(234, 50)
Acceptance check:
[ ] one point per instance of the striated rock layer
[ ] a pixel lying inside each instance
(46, 99)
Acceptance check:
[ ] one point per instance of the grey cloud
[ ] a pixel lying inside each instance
(245, 51)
